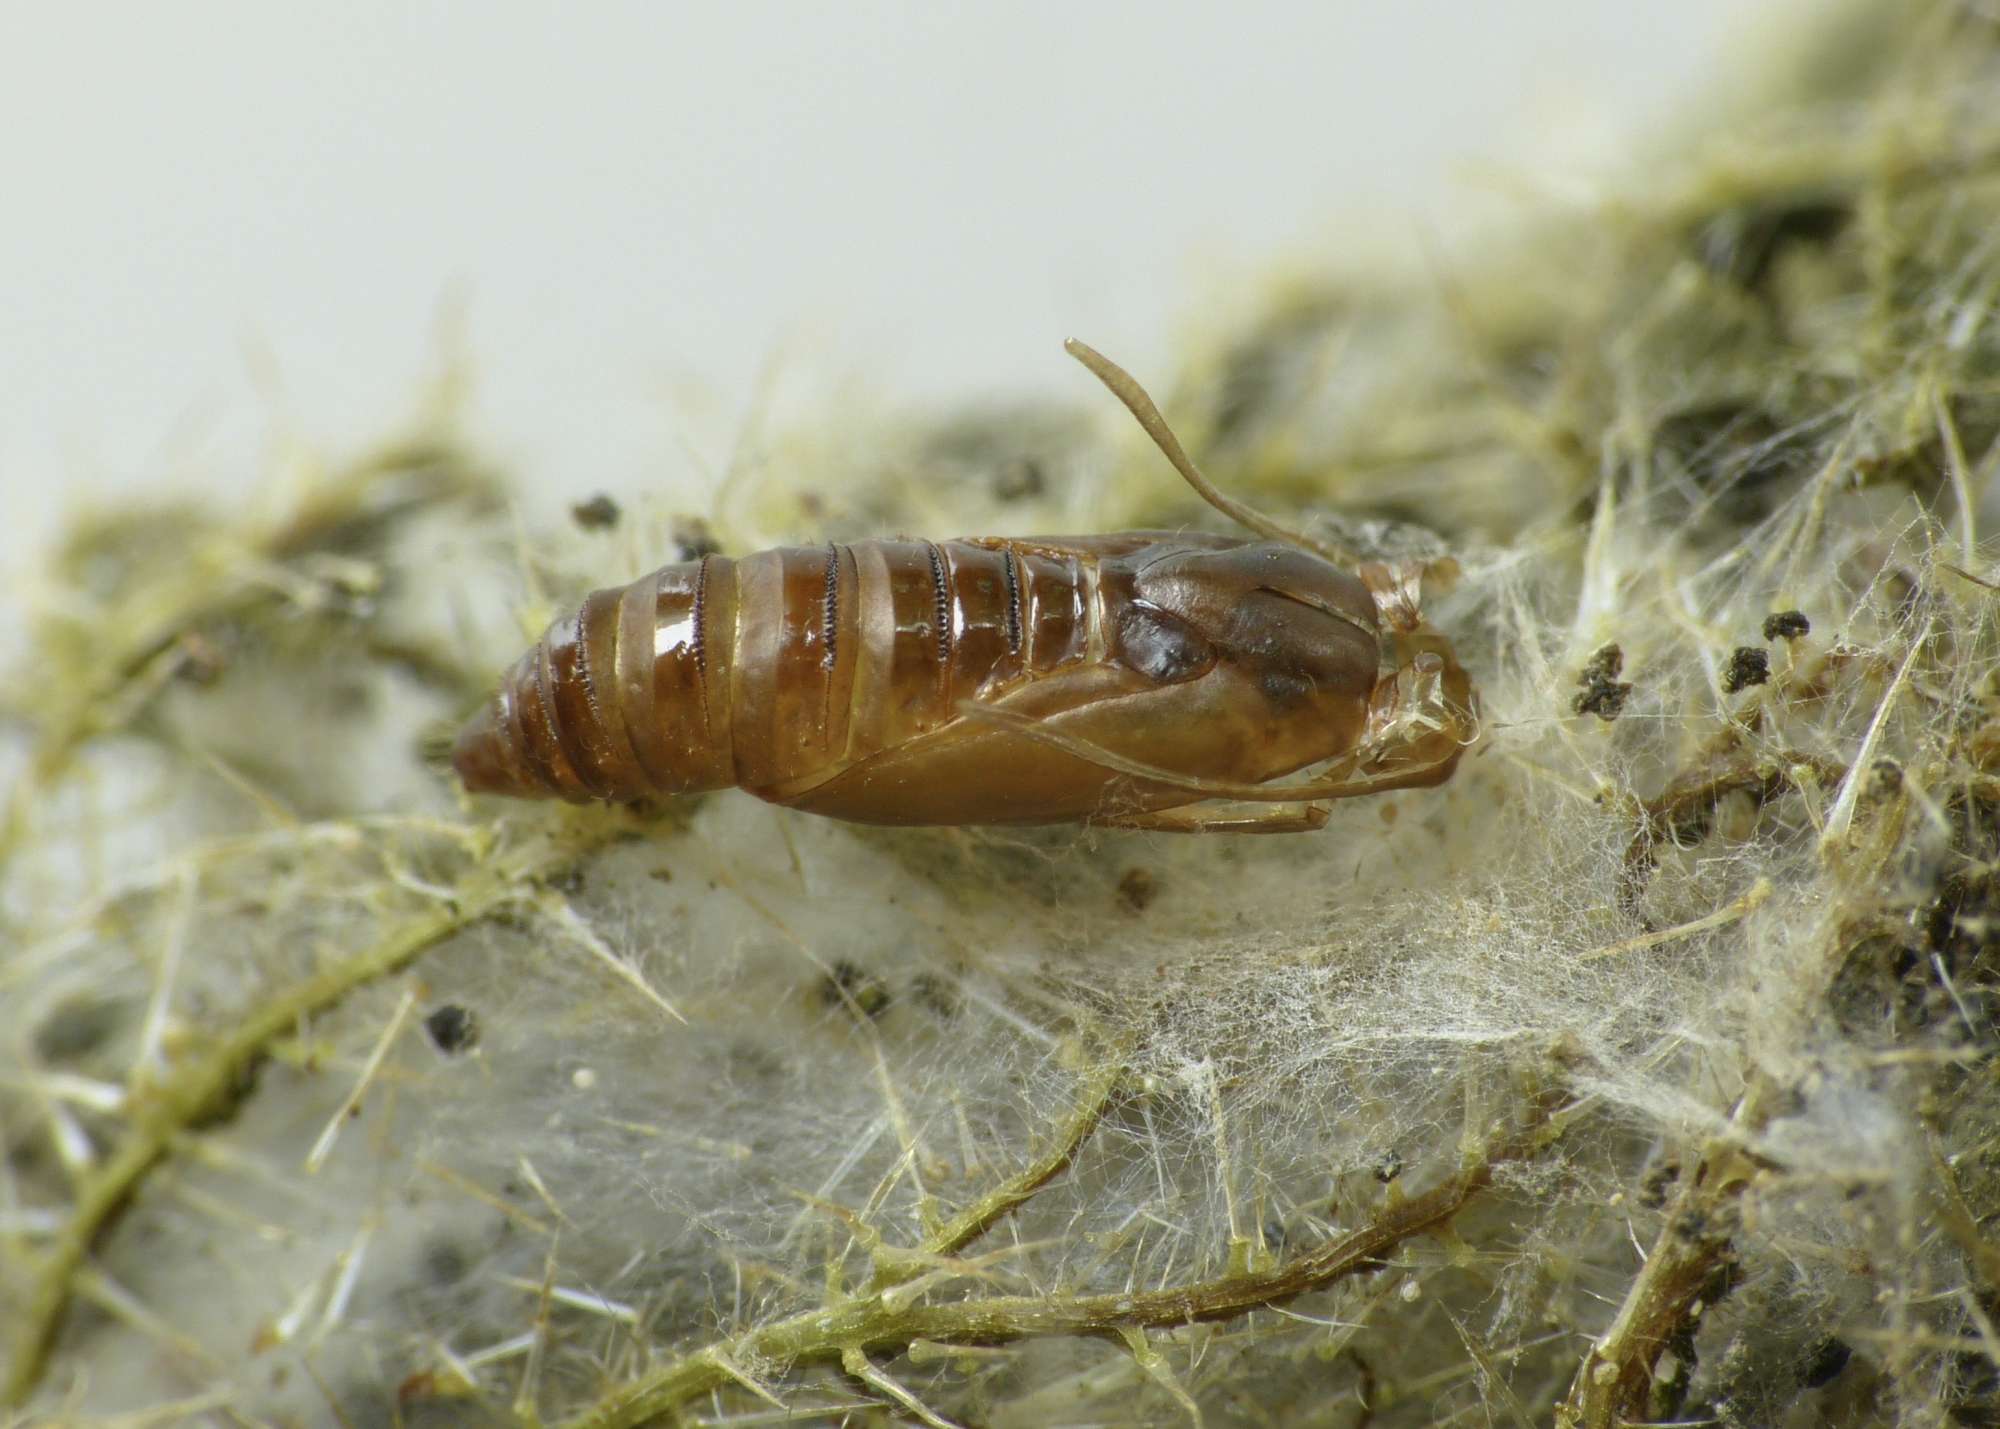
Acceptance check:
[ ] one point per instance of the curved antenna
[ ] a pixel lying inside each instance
(1125, 387)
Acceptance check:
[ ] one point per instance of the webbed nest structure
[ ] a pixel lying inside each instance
(1643, 1072)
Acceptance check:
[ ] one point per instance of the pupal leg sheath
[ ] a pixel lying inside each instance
(1343, 785)
(1277, 819)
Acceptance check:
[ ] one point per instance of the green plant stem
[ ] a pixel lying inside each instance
(1615, 1381)
(979, 1217)
(880, 1321)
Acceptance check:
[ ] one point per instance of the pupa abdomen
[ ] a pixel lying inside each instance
(766, 671)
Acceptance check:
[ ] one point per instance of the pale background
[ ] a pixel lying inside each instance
(217, 221)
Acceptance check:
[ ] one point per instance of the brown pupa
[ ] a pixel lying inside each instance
(1143, 679)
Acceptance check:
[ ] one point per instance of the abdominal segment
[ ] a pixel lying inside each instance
(909, 631)
(773, 672)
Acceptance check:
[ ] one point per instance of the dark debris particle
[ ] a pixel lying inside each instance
(693, 539)
(1262, 377)
(1786, 625)
(1962, 923)
(1607, 662)
(1605, 700)
(1743, 244)
(77, 1028)
(199, 661)
(1137, 889)
(600, 513)
(849, 985)
(452, 1028)
(1388, 1166)
(1659, 1178)
(445, 1262)
(937, 994)
(1747, 666)
(1824, 1364)
(1977, 1384)
(1600, 692)
(1018, 479)
(1710, 1229)
(1728, 458)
